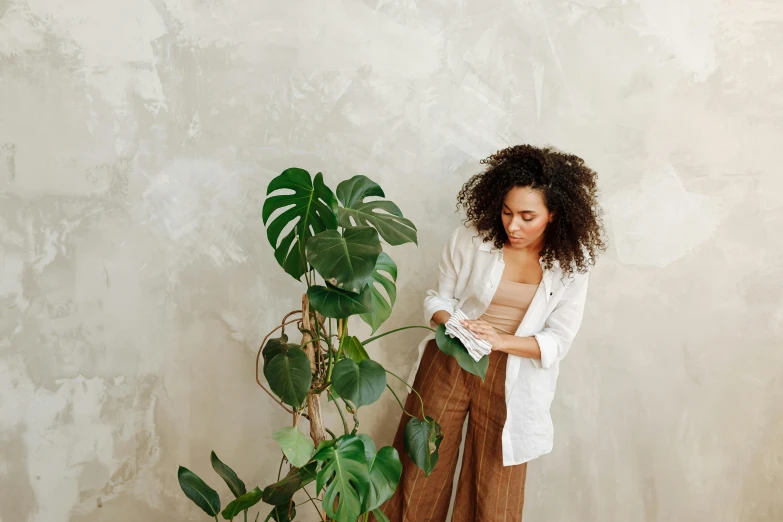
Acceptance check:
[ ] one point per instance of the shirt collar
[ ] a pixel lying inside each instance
(489, 246)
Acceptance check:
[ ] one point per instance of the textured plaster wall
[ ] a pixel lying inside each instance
(137, 138)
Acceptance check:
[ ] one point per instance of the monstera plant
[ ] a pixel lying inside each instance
(337, 236)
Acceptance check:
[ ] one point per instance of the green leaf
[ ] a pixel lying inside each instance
(380, 516)
(454, 347)
(281, 513)
(369, 446)
(312, 203)
(383, 215)
(242, 503)
(345, 260)
(276, 346)
(196, 490)
(345, 475)
(381, 308)
(296, 447)
(385, 470)
(422, 440)
(289, 376)
(281, 492)
(336, 303)
(361, 383)
(352, 347)
(236, 486)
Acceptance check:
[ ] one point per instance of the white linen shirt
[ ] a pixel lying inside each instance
(469, 272)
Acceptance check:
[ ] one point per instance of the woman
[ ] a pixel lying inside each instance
(519, 271)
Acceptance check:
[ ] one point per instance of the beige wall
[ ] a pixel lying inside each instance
(137, 138)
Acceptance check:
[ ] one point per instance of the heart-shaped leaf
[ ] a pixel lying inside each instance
(345, 260)
(383, 215)
(454, 347)
(381, 307)
(242, 503)
(288, 374)
(362, 383)
(385, 470)
(236, 486)
(345, 475)
(296, 447)
(281, 492)
(312, 203)
(422, 440)
(336, 303)
(276, 346)
(352, 347)
(197, 490)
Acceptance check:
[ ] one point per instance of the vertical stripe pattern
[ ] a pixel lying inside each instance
(487, 491)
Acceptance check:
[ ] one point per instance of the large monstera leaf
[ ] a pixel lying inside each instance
(346, 260)
(312, 203)
(385, 471)
(381, 307)
(345, 475)
(383, 215)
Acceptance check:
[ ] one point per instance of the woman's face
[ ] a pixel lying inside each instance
(525, 217)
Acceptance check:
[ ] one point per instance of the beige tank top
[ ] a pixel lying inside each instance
(509, 305)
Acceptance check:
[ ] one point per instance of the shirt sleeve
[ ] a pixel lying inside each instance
(562, 324)
(449, 266)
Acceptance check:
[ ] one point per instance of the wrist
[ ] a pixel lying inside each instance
(503, 344)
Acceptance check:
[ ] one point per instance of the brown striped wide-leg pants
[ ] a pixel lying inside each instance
(487, 491)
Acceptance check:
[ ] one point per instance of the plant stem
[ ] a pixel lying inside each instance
(331, 359)
(340, 411)
(399, 402)
(280, 469)
(371, 339)
(314, 338)
(355, 422)
(342, 331)
(412, 389)
(318, 354)
(330, 432)
(314, 504)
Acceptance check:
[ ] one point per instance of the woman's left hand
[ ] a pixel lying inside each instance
(483, 330)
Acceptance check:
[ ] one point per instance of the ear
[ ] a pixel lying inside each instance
(551, 217)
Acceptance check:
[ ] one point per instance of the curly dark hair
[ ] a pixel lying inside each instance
(568, 186)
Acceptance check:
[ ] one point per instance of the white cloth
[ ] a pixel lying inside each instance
(469, 272)
(477, 348)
